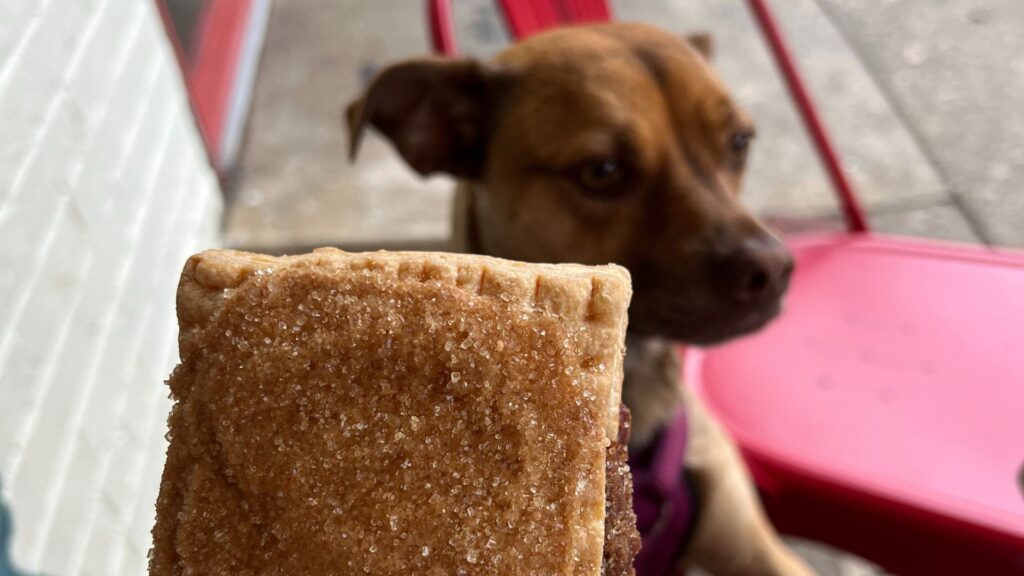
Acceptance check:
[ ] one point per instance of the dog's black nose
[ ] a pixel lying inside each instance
(754, 272)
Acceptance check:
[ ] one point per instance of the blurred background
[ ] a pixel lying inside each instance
(135, 133)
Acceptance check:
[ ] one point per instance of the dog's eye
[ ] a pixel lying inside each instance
(740, 141)
(601, 176)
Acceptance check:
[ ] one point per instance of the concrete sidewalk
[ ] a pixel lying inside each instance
(922, 98)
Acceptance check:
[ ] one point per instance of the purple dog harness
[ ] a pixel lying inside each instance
(661, 500)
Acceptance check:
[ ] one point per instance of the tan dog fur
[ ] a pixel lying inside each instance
(530, 135)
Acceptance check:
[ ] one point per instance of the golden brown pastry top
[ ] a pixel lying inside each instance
(396, 413)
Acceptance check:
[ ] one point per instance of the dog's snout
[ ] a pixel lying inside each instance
(754, 272)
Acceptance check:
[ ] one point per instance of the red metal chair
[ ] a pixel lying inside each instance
(883, 412)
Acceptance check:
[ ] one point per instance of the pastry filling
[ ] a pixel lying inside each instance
(621, 538)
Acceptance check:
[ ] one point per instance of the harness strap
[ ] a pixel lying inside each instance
(661, 500)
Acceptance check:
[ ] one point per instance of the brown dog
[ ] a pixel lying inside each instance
(614, 143)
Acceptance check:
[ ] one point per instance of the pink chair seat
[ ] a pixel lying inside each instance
(528, 17)
(886, 404)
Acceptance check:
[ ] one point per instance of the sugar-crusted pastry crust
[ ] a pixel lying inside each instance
(391, 412)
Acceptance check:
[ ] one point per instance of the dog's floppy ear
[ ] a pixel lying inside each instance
(434, 110)
(703, 42)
